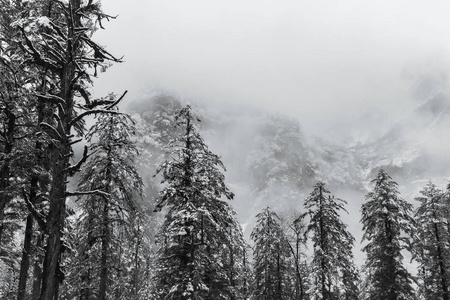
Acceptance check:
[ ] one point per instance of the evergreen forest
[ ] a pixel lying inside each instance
(98, 203)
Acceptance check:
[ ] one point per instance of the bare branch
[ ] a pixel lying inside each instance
(71, 170)
(74, 142)
(117, 101)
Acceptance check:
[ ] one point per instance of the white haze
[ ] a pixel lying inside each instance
(324, 62)
(347, 70)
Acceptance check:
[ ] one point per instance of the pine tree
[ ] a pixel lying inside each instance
(108, 211)
(431, 245)
(271, 256)
(297, 240)
(55, 41)
(200, 240)
(21, 166)
(387, 226)
(334, 275)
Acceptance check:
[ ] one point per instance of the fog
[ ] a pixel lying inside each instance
(326, 63)
(351, 72)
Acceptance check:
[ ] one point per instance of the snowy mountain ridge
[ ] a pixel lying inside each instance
(270, 161)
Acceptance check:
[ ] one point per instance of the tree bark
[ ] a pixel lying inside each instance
(325, 291)
(442, 269)
(104, 257)
(37, 272)
(55, 227)
(8, 136)
(25, 262)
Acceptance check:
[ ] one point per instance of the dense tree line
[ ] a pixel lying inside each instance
(76, 226)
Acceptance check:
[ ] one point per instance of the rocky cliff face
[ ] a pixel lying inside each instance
(414, 148)
(270, 161)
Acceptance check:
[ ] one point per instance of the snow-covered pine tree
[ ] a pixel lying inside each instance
(446, 201)
(201, 243)
(56, 41)
(431, 245)
(12, 101)
(108, 211)
(296, 238)
(271, 259)
(334, 274)
(387, 226)
(22, 171)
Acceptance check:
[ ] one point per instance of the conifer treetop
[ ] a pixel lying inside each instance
(193, 172)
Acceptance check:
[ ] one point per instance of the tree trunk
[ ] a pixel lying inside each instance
(25, 263)
(136, 261)
(279, 277)
(2, 216)
(85, 277)
(8, 136)
(106, 239)
(37, 272)
(442, 269)
(60, 154)
(325, 292)
(244, 263)
(55, 227)
(299, 285)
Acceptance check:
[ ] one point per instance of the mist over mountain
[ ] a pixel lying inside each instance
(270, 161)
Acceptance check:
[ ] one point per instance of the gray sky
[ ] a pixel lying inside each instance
(325, 62)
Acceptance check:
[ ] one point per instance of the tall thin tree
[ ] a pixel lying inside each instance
(388, 226)
(56, 40)
(271, 254)
(108, 211)
(431, 244)
(333, 268)
(199, 229)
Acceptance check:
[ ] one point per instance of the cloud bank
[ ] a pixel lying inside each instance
(340, 67)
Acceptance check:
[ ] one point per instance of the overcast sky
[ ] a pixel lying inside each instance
(325, 62)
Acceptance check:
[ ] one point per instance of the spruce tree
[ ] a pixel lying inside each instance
(271, 255)
(108, 211)
(200, 240)
(431, 245)
(387, 227)
(334, 275)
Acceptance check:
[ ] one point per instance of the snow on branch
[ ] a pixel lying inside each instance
(100, 52)
(53, 129)
(52, 98)
(36, 55)
(106, 110)
(34, 212)
(93, 192)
